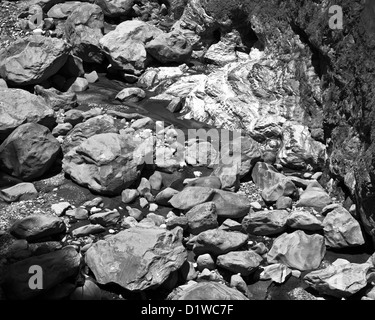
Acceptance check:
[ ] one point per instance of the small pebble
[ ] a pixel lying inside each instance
(256, 205)
(143, 202)
(38, 32)
(296, 273)
(197, 174)
(153, 207)
(171, 214)
(95, 210)
(307, 175)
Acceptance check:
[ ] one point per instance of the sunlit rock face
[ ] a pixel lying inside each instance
(267, 86)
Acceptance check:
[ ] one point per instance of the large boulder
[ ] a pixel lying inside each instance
(38, 227)
(230, 205)
(63, 10)
(243, 262)
(341, 230)
(29, 151)
(298, 250)
(164, 196)
(137, 258)
(207, 291)
(202, 217)
(19, 192)
(304, 220)
(104, 163)
(87, 129)
(83, 29)
(125, 46)
(283, 188)
(56, 267)
(170, 48)
(32, 60)
(19, 106)
(265, 223)
(339, 281)
(314, 197)
(217, 242)
(190, 197)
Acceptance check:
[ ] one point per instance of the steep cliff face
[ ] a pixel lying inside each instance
(304, 73)
(348, 95)
(344, 61)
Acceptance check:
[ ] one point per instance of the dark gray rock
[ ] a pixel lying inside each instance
(190, 197)
(217, 242)
(243, 262)
(56, 267)
(32, 60)
(18, 107)
(265, 223)
(147, 255)
(104, 163)
(298, 250)
(19, 192)
(38, 227)
(211, 291)
(202, 217)
(29, 151)
(83, 30)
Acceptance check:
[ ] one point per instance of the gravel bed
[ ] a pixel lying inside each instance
(10, 29)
